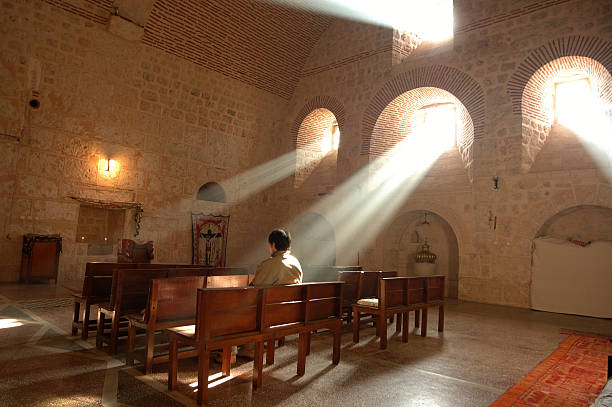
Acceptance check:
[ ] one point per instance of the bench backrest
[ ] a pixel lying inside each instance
(417, 290)
(283, 306)
(351, 286)
(187, 271)
(370, 283)
(103, 291)
(393, 292)
(131, 288)
(219, 277)
(323, 301)
(226, 312)
(435, 288)
(173, 299)
(97, 288)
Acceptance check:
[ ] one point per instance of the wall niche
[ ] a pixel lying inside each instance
(100, 229)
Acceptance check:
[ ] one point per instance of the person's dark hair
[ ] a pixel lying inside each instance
(281, 239)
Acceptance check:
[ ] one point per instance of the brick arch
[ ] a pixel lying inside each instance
(575, 45)
(548, 212)
(452, 80)
(320, 102)
(395, 122)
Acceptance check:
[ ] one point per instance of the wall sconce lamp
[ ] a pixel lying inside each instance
(108, 167)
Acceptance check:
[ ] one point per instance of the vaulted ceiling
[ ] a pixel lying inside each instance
(262, 44)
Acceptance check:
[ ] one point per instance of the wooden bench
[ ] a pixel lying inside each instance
(96, 289)
(401, 295)
(429, 292)
(391, 299)
(129, 293)
(226, 317)
(231, 317)
(172, 303)
(302, 309)
(434, 297)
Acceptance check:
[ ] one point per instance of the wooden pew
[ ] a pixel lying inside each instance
(230, 317)
(129, 292)
(172, 303)
(302, 309)
(434, 297)
(98, 290)
(226, 317)
(397, 295)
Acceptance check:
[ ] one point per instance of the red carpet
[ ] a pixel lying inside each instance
(573, 375)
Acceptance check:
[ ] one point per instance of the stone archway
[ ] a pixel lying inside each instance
(407, 233)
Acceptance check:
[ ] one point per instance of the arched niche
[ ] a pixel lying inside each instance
(581, 222)
(212, 192)
(408, 232)
(571, 262)
(313, 240)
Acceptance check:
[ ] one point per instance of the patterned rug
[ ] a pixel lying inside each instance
(573, 375)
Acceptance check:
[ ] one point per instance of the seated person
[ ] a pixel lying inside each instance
(281, 267)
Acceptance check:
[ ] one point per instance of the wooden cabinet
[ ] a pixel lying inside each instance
(40, 257)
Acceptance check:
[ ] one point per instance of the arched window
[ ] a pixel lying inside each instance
(317, 145)
(211, 191)
(569, 99)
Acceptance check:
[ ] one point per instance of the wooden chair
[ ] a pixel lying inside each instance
(171, 303)
(226, 317)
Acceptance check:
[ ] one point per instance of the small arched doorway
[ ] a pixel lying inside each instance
(407, 234)
(571, 262)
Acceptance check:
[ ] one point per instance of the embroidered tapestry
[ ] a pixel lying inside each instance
(209, 234)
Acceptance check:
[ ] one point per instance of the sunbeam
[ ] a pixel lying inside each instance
(362, 206)
(432, 20)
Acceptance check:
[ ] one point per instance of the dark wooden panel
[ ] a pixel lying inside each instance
(323, 309)
(324, 290)
(284, 293)
(283, 313)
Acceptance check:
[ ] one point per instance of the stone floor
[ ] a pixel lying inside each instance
(484, 350)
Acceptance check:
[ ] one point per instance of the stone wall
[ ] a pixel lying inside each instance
(173, 123)
(494, 227)
(170, 125)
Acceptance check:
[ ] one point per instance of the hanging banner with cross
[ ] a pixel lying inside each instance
(209, 234)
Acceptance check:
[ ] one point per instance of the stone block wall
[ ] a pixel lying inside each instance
(170, 125)
(175, 118)
(494, 227)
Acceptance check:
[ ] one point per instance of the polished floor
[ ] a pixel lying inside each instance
(484, 350)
